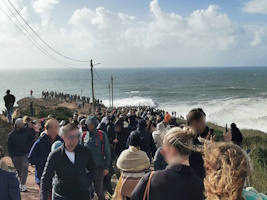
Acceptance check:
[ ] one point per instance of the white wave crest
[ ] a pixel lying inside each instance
(132, 101)
(247, 113)
(133, 92)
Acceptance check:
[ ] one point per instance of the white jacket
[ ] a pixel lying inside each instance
(159, 134)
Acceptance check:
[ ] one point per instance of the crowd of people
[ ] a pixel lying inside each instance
(70, 98)
(67, 97)
(152, 156)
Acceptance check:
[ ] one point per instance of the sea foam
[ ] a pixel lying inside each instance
(247, 113)
(132, 101)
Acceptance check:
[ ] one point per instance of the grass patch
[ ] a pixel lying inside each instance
(60, 113)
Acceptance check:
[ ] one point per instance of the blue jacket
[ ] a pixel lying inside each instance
(39, 153)
(94, 143)
(9, 186)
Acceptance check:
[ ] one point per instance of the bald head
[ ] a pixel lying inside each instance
(52, 127)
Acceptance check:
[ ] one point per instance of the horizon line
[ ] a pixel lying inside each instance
(125, 68)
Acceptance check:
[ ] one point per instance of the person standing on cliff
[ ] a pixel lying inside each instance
(9, 103)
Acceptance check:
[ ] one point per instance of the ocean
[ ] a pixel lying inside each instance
(226, 94)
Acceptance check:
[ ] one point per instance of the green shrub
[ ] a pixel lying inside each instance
(254, 142)
(219, 135)
(62, 113)
(259, 177)
(25, 112)
(260, 155)
(44, 113)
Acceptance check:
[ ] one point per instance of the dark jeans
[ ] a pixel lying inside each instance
(107, 184)
(116, 169)
(99, 182)
(9, 113)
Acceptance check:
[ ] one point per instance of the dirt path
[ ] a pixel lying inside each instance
(33, 189)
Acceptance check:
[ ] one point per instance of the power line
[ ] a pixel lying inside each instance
(43, 40)
(34, 41)
(104, 79)
(36, 45)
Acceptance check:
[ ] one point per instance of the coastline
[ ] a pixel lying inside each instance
(41, 104)
(253, 140)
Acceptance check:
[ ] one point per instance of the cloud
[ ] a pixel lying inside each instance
(206, 37)
(44, 7)
(257, 38)
(9, 33)
(256, 6)
(208, 27)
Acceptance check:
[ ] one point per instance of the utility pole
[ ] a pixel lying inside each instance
(109, 94)
(112, 89)
(93, 91)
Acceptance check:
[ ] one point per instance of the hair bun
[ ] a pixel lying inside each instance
(189, 132)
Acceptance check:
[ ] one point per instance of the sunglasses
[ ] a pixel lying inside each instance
(72, 137)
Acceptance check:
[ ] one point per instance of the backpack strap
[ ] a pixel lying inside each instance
(100, 135)
(147, 190)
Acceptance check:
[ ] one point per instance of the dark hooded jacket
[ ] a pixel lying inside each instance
(237, 137)
(122, 137)
(175, 182)
(147, 144)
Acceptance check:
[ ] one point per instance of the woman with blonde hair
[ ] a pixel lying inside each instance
(26, 120)
(177, 181)
(16, 115)
(227, 167)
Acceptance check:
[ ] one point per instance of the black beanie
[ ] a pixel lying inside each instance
(134, 139)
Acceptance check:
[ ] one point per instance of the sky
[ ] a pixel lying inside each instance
(134, 33)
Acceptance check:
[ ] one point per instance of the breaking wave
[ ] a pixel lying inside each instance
(132, 101)
(247, 113)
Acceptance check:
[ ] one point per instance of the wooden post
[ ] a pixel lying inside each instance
(112, 89)
(93, 92)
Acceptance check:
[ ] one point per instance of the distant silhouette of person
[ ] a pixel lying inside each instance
(237, 137)
(31, 93)
(31, 109)
(9, 103)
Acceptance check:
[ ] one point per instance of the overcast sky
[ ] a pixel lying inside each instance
(137, 33)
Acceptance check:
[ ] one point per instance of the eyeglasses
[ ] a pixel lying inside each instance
(72, 137)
